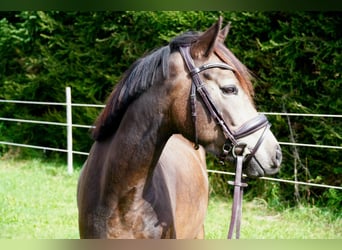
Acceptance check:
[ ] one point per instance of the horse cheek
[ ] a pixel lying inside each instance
(181, 117)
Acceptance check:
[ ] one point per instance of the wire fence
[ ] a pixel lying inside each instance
(69, 125)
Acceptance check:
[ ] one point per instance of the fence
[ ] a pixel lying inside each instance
(69, 125)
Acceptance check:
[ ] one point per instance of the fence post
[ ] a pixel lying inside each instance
(69, 129)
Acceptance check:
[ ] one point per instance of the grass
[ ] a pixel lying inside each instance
(260, 222)
(38, 201)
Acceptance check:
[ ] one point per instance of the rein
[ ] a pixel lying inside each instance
(235, 220)
(232, 147)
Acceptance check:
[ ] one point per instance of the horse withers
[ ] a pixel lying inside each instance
(140, 179)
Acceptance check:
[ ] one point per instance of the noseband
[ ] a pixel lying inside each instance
(232, 147)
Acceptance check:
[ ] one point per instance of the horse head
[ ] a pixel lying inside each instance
(213, 102)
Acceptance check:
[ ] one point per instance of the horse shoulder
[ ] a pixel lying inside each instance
(184, 169)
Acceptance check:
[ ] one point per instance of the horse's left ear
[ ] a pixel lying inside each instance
(224, 33)
(205, 44)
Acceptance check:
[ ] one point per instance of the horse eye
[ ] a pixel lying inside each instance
(207, 76)
(229, 90)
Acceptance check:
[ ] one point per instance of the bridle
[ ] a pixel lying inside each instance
(232, 147)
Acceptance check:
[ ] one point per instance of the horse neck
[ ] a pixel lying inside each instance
(136, 146)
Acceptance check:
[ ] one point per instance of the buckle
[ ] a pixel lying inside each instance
(240, 149)
(227, 148)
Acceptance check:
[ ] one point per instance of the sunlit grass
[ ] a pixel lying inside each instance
(260, 222)
(38, 201)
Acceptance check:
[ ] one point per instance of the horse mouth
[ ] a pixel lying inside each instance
(254, 169)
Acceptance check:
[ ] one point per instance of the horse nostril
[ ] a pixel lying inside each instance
(278, 157)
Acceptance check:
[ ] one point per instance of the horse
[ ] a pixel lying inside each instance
(145, 176)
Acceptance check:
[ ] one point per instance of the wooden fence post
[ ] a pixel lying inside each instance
(69, 129)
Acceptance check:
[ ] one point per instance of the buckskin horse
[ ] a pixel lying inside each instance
(141, 179)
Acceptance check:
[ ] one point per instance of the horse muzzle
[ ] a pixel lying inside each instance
(254, 168)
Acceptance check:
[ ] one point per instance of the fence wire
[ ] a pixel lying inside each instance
(209, 171)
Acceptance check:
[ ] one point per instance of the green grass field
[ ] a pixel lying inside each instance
(38, 201)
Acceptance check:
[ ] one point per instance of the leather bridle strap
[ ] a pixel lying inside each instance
(246, 129)
(197, 82)
(239, 150)
(235, 220)
(251, 126)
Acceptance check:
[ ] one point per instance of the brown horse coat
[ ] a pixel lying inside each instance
(178, 182)
(142, 181)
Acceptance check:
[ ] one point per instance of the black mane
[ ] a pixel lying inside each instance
(137, 79)
(141, 76)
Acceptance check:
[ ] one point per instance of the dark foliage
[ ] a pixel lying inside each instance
(295, 56)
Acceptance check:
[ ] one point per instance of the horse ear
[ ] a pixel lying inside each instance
(224, 33)
(205, 44)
